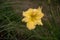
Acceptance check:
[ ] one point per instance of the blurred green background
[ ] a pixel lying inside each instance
(11, 27)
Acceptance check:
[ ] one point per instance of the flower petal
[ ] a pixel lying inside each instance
(39, 22)
(28, 12)
(26, 19)
(30, 25)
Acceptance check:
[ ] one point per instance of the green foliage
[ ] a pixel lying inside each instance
(11, 27)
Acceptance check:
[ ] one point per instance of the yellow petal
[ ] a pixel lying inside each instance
(39, 8)
(28, 12)
(30, 25)
(39, 22)
(40, 15)
(38, 12)
(25, 20)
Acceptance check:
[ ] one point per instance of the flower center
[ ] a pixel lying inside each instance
(33, 17)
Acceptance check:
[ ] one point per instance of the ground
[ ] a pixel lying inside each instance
(11, 27)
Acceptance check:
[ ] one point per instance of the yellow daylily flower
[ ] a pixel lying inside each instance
(33, 17)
